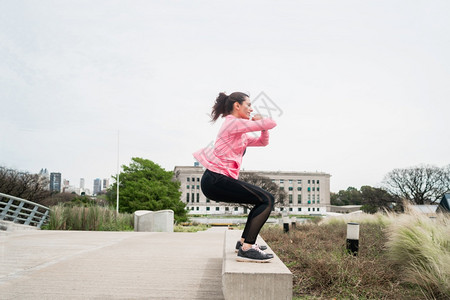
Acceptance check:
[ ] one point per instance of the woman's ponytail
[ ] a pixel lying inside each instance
(224, 104)
(219, 107)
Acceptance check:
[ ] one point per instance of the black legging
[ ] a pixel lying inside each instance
(221, 188)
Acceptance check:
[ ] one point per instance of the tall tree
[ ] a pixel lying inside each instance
(144, 185)
(350, 196)
(419, 184)
(374, 199)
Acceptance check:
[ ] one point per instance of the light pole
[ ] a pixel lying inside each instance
(117, 178)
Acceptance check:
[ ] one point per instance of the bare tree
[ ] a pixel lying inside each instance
(266, 184)
(446, 178)
(420, 184)
(24, 185)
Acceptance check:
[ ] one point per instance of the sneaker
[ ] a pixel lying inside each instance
(254, 254)
(238, 245)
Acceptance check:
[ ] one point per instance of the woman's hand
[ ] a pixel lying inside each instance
(257, 117)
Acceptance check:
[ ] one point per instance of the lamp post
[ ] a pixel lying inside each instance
(117, 178)
(353, 238)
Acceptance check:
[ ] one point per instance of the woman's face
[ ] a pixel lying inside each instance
(243, 110)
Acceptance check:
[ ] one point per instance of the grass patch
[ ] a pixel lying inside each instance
(191, 228)
(92, 217)
(398, 259)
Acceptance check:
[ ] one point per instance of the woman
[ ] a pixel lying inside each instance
(220, 180)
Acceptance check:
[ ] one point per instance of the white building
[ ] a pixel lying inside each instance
(307, 192)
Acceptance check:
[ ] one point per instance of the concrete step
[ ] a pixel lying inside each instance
(245, 280)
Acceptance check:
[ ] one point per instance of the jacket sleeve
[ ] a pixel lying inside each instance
(262, 140)
(243, 125)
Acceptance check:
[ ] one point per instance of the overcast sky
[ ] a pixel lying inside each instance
(357, 88)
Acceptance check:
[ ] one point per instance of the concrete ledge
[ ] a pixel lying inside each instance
(153, 221)
(11, 226)
(243, 280)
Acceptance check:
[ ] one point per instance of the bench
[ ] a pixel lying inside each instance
(245, 280)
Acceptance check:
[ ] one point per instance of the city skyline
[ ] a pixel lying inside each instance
(68, 184)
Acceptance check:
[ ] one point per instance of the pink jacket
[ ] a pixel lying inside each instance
(226, 156)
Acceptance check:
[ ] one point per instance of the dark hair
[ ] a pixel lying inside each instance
(224, 104)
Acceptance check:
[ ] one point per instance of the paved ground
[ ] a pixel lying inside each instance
(111, 265)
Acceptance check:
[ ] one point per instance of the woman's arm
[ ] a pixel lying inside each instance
(242, 125)
(262, 140)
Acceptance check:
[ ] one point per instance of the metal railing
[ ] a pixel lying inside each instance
(22, 211)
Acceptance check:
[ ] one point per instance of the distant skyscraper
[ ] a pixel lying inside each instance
(44, 172)
(82, 183)
(105, 184)
(55, 182)
(97, 186)
(44, 177)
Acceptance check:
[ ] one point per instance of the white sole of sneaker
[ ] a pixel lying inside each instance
(243, 259)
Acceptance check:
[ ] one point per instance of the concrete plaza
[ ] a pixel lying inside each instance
(39, 264)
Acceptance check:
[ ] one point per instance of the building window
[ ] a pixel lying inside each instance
(193, 179)
(187, 186)
(187, 197)
(309, 201)
(317, 181)
(198, 208)
(318, 201)
(192, 208)
(309, 181)
(309, 208)
(290, 180)
(187, 179)
(290, 208)
(198, 187)
(299, 188)
(314, 188)
(227, 208)
(235, 209)
(217, 208)
(299, 181)
(318, 189)
(290, 199)
(299, 209)
(207, 200)
(314, 181)
(281, 180)
(291, 188)
(198, 179)
(309, 189)
(207, 208)
(299, 199)
(198, 197)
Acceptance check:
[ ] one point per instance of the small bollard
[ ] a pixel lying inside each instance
(293, 222)
(286, 224)
(353, 238)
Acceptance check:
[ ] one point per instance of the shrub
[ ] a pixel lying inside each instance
(420, 247)
(95, 218)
